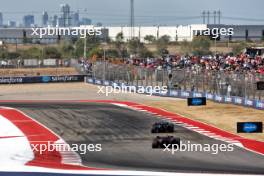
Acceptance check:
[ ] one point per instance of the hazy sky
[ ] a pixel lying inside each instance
(147, 12)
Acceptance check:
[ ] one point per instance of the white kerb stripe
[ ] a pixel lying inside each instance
(14, 150)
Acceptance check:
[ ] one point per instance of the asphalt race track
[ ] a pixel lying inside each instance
(126, 140)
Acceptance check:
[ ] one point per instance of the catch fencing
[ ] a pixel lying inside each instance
(220, 86)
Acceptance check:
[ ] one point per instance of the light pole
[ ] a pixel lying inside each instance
(104, 57)
(104, 65)
(84, 48)
(215, 47)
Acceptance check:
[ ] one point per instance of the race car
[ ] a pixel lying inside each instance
(162, 127)
(162, 142)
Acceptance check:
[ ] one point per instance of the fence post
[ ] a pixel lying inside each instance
(151, 78)
(184, 79)
(203, 86)
(141, 77)
(146, 77)
(162, 79)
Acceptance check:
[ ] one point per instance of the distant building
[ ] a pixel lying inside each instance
(99, 24)
(65, 18)
(176, 33)
(60, 22)
(16, 35)
(75, 19)
(11, 24)
(45, 18)
(1, 19)
(53, 21)
(242, 32)
(28, 21)
(86, 21)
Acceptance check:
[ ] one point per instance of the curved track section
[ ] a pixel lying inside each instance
(126, 139)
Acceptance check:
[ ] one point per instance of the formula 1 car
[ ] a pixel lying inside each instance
(162, 142)
(162, 127)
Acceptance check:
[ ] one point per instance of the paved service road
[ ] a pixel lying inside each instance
(126, 139)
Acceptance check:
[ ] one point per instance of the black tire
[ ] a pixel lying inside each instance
(177, 142)
(154, 131)
(171, 130)
(154, 146)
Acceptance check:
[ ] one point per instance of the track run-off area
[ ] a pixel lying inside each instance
(123, 131)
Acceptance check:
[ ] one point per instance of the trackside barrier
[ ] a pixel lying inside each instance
(41, 79)
(257, 104)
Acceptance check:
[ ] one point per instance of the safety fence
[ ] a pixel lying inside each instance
(222, 87)
(258, 104)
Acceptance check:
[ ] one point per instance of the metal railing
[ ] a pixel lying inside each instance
(215, 82)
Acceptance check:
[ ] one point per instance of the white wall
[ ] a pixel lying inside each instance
(182, 32)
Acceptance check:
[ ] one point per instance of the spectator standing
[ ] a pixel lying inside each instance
(229, 89)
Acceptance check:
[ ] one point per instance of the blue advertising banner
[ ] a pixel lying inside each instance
(259, 104)
(197, 94)
(174, 93)
(97, 81)
(209, 96)
(197, 101)
(107, 83)
(238, 100)
(185, 94)
(41, 79)
(90, 80)
(249, 127)
(227, 99)
(248, 102)
(219, 98)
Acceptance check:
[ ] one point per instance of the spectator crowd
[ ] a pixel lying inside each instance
(242, 63)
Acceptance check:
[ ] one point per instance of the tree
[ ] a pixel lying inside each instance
(52, 52)
(13, 55)
(201, 45)
(91, 43)
(162, 44)
(67, 49)
(95, 52)
(237, 49)
(133, 45)
(186, 47)
(3, 53)
(112, 53)
(150, 38)
(79, 46)
(144, 52)
(119, 44)
(31, 53)
(137, 48)
(119, 37)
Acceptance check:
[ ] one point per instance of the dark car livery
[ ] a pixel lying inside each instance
(162, 127)
(162, 142)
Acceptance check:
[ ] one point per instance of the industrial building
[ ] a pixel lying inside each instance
(176, 33)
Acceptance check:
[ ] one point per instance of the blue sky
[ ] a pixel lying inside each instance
(147, 12)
